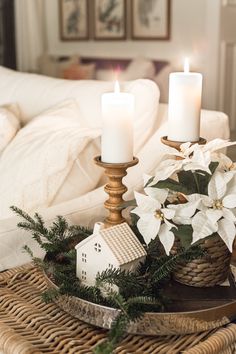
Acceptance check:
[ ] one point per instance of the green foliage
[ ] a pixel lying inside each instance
(56, 239)
(189, 182)
(165, 266)
(184, 234)
(173, 185)
(50, 295)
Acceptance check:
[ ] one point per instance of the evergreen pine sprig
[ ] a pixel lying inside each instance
(167, 264)
(56, 239)
(128, 282)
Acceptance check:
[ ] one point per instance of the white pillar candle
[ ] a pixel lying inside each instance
(185, 92)
(117, 129)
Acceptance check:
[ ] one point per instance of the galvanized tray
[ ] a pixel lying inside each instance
(191, 310)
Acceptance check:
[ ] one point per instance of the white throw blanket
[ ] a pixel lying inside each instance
(37, 162)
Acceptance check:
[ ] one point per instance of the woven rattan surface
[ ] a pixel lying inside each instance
(29, 326)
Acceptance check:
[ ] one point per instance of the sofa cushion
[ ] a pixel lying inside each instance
(54, 66)
(139, 68)
(79, 72)
(41, 93)
(9, 124)
(49, 161)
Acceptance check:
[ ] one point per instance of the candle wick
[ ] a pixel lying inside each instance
(117, 87)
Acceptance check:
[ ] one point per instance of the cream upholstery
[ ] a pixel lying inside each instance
(35, 93)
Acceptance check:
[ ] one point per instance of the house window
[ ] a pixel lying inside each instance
(97, 247)
(84, 257)
(84, 275)
(110, 266)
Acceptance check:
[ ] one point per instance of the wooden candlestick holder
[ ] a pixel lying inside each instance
(115, 188)
(176, 144)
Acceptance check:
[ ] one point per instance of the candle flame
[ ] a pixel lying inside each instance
(186, 65)
(117, 87)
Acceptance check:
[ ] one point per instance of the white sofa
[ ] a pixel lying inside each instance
(36, 93)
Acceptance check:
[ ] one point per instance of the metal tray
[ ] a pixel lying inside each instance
(191, 310)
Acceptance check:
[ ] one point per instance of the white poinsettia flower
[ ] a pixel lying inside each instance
(153, 218)
(190, 157)
(166, 169)
(198, 161)
(219, 215)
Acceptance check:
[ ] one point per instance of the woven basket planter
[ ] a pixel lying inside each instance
(207, 271)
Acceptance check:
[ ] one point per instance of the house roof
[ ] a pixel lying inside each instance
(123, 243)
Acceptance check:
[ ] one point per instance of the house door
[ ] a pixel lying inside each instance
(227, 99)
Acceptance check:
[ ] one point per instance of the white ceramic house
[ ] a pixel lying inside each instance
(114, 247)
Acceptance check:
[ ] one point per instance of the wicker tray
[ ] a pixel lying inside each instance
(191, 310)
(29, 326)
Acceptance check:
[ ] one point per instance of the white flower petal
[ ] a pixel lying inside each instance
(195, 237)
(168, 213)
(146, 178)
(229, 215)
(225, 163)
(166, 237)
(169, 224)
(193, 197)
(146, 203)
(138, 211)
(186, 210)
(229, 201)
(166, 169)
(202, 226)
(217, 144)
(185, 146)
(149, 227)
(191, 166)
(199, 161)
(217, 186)
(231, 187)
(157, 193)
(182, 220)
(207, 201)
(227, 232)
(214, 215)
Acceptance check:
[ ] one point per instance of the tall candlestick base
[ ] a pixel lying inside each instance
(115, 188)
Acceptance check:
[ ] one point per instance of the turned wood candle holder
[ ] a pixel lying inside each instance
(176, 144)
(115, 189)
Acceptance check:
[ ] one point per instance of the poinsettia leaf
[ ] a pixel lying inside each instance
(213, 166)
(184, 234)
(172, 185)
(186, 178)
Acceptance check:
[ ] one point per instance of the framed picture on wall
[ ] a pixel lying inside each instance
(109, 19)
(150, 19)
(73, 19)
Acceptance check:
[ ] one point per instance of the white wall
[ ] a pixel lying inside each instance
(194, 33)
